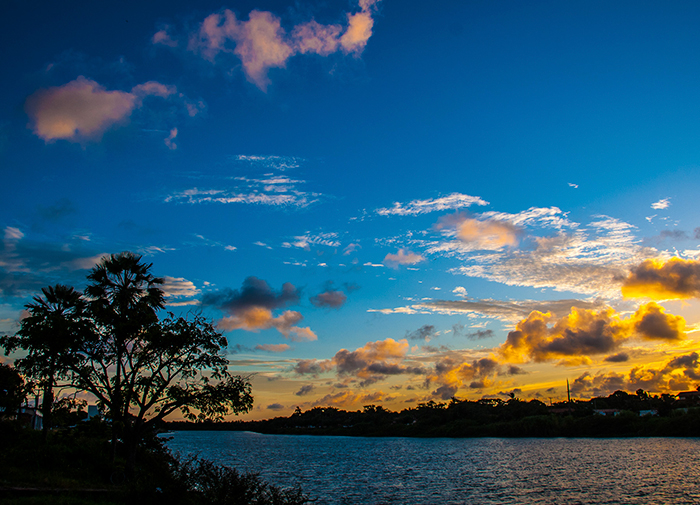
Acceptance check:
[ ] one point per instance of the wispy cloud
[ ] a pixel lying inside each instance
(416, 207)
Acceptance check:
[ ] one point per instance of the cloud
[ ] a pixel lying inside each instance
(273, 347)
(169, 140)
(452, 372)
(83, 110)
(329, 299)
(349, 398)
(586, 332)
(260, 43)
(505, 310)
(250, 308)
(620, 357)
(659, 280)
(62, 208)
(162, 37)
(254, 293)
(403, 257)
(487, 234)
(371, 363)
(661, 204)
(305, 390)
(275, 406)
(260, 318)
(582, 261)
(416, 207)
(260, 187)
(679, 373)
(425, 332)
(179, 287)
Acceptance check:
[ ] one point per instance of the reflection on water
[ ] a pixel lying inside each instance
(346, 470)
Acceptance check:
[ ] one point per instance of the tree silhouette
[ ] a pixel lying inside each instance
(113, 345)
(50, 333)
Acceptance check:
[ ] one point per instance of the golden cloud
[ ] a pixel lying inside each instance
(586, 332)
(662, 280)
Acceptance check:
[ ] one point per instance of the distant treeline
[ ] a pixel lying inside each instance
(619, 415)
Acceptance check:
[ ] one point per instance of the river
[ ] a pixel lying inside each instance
(374, 471)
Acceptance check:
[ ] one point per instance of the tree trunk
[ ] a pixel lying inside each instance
(46, 406)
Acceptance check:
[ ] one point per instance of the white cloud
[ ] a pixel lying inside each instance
(661, 204)
(179, 287)
(415, 207)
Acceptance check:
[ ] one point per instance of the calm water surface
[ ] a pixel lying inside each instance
(349, 470)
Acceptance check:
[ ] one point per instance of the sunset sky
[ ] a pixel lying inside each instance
(379, 202)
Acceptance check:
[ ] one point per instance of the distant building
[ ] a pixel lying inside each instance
(649, 412)
(607, 412)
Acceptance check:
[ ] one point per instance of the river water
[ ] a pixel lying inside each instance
(350, 470)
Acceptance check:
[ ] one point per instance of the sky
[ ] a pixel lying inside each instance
(377, 201)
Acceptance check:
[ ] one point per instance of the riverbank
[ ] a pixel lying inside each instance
(74, 467)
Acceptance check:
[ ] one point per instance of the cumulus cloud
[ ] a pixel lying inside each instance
(416, 207)
(403, 257)
(261, 43)
(255, 292)
(250, 308)
(453, 372)
(260, 318)
(370, 363)
(663, 279)
(345, 399)
(680, 373)
(329, 299)
(586, 332)
(83, 110)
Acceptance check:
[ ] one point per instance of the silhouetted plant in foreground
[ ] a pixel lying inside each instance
(110, 342)
(78, 459)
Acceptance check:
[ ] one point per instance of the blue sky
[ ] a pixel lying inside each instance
(404, 181)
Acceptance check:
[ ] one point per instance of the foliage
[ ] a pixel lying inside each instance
(79, 459)
(490, 417)
(13, 390)
(111, 343)
(214, 484)
(56, 324)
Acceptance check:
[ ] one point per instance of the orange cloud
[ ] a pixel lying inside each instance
(403, 257)
(371, 362)
(586, 332)
(83, 110)
(662, 280)
(273, 347)
(486, 234)
(257, 318)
